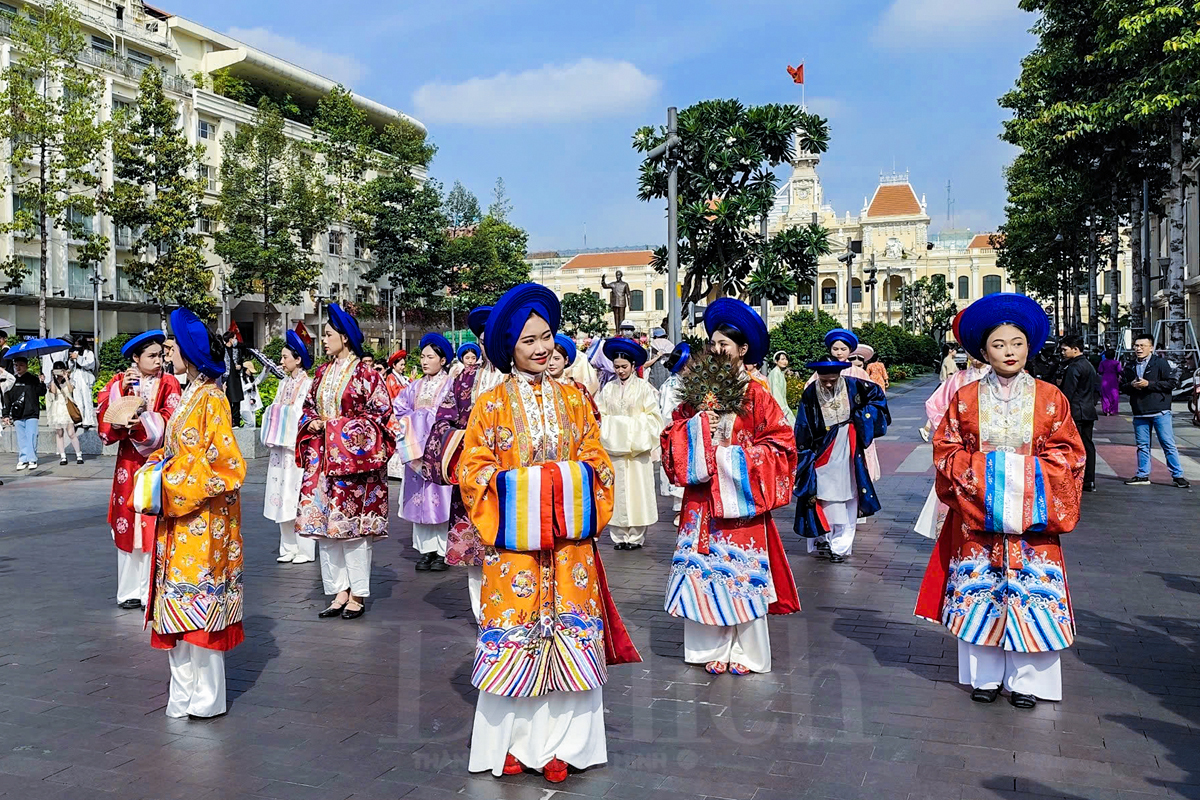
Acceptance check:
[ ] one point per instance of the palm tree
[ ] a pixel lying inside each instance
(771, 281)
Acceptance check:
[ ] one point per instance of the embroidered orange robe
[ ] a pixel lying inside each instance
(196, 595)
(548, 622)
(1012, 480)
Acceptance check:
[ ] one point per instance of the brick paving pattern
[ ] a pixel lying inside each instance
(862, 703)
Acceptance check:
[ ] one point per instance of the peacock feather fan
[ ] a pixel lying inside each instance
(713, 383)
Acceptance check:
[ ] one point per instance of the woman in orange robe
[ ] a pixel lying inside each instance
(1010, 467)
(539, 488)
(195, 608)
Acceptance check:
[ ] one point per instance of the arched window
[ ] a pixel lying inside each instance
(658, 299)
(829, 292)
(856, 291)
(964, 288)
(991, 284)
(804, 296)
(636, 302)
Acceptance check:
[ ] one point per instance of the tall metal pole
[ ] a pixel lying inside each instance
(849, 288)
(765, 306)
(674, 321)
(96, 281)
(1147, 304)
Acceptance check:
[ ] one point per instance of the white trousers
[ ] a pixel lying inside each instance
(634, 535)
(564, 725)
(748, 644)
(475, 590)
(843, 522)
(133, 575)
(296, 546)
(984, 667)
(346, 564)
(197, 681)
(431, 538)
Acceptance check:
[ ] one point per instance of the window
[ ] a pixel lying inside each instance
(120, 104)
(335, 243)
(31, 283)
(77, 217)
(78, 285)
(125, 291)
(138, 57)
(991, 284)
(804, 296)
(20, 203)
(1108, 281)
(636, 301)
(829, 295)
(360, 250)
(102, 44)
(206, 130)
(210, 175)
(964, 288)
(658, 299)
(856, 291)
(364, 294)
(7, 10)
(124, 236)
(204, 225)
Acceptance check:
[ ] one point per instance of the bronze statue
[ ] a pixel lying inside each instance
(618, 297)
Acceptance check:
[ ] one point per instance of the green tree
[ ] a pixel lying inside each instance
(343, 138)
(771, 281)
(407, 237)
(158, 194)
(584, 313)
(485, 263)
(726, 184)
(800, 250)
(501, 205)
(927, 307)
(48, 114)
(461, 207)
(272, 206)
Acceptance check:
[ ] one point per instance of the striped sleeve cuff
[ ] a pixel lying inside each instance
(734, 498)
(526, 509)
(575, 496)
(1015, 494)
(148, 435)
(698, 468)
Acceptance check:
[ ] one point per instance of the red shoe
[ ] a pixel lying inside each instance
(555, 771)
(512, 766)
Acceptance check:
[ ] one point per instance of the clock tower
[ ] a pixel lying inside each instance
(805, 196)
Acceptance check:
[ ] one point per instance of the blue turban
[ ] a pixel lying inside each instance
(347, 326)
(828, 366)
(993, 310)
(155, 336)
(438, 342)
(841, 335)
(469, 347)
(508, 318)
(568, 346)
(191, 337)
(626, 348)
(478, 318)
(741, 317)
(297, 346)
(678, 358)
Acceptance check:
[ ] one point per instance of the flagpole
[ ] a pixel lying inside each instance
(803, 105)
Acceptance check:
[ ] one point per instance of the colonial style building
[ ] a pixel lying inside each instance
(124, 38)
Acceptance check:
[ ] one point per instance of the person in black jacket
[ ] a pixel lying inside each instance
(1148, 382)
(233, 377)
(1081, 385)
(21, 410)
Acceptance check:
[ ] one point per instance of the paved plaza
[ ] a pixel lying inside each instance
(862, 703)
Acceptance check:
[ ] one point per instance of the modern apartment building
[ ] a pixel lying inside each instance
(124, 38)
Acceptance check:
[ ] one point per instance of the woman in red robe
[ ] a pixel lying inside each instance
(133, 534)
(344, 444)
(1010, 467)
(730, 569)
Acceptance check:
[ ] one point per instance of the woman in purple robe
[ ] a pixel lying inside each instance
(1110, 379)
(423, 502)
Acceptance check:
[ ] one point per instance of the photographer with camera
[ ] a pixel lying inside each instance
(62, 413)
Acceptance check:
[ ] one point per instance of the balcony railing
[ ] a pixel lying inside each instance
(130, 69)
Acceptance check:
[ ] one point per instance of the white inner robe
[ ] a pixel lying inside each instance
(568, 726)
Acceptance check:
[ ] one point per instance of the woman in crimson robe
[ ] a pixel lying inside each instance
(133, 533)
(344, 444)
(730, 570)
(1010, 467)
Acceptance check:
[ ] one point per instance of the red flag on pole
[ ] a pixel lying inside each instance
(797, 73)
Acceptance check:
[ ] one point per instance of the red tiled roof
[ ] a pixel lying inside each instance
(983, 241)
(623, 258)
(894, 200)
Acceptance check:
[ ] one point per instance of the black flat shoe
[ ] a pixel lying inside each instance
(332, 611)
(355, 614)
(426, 562)
(985, 695)
(438, 564)
(1022, 701)
(79, 460)
(633, 547)
(62, 462)
(129, 605)
(834, 558)
(1089, 487)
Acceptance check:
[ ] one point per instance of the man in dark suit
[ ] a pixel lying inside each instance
(1148, 382)
(233, 377)
(1081, 385)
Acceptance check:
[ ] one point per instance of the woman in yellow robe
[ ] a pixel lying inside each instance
(539, 487)
(195, 608)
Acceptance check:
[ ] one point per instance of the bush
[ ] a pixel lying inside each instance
(102, 379)
(274, 349)
(111, 359)
(795, 389)
(880, 336)
(801, 337)
(266, 394)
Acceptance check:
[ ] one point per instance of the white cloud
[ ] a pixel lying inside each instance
(909, 24)
(587, 89)
(345, 70)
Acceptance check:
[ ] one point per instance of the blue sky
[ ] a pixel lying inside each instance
(548, 94)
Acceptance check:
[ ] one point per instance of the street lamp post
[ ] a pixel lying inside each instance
(96, 279)
(674, 325)
(847, 258)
